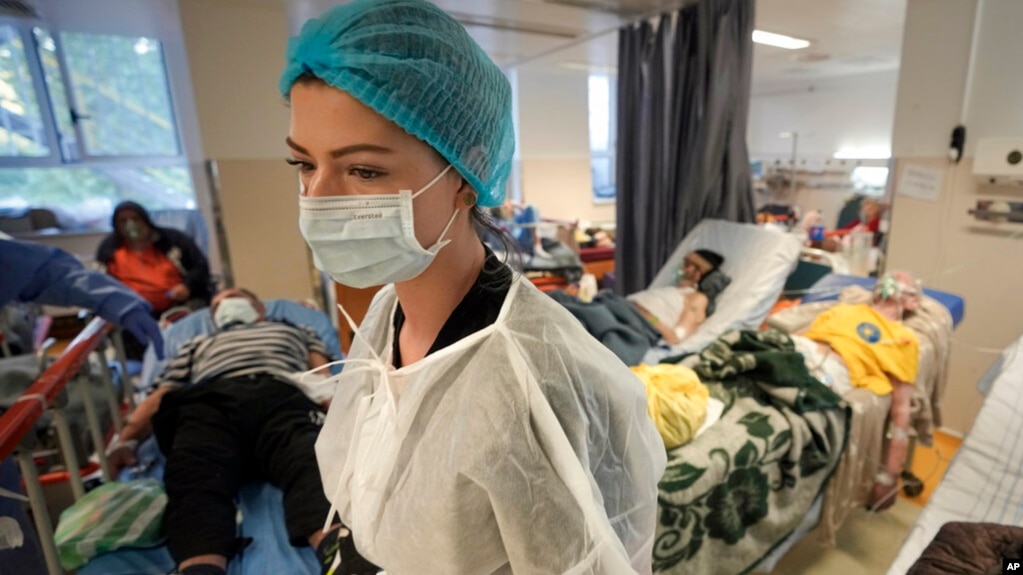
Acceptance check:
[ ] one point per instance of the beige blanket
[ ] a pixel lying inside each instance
(853, 480)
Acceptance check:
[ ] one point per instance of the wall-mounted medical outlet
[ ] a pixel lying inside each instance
(999, 161)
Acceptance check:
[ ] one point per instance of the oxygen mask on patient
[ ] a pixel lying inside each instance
(234, 310)
(132, 229)
(900, 288)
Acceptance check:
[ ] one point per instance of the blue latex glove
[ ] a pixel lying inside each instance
(144, 328)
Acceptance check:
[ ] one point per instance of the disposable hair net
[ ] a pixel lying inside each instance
(418, 67)
(525, 447)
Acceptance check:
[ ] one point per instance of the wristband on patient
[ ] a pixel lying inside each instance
(119, 443)
(898, 433)
(884, 478)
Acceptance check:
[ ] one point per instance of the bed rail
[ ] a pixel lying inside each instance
(24, 414)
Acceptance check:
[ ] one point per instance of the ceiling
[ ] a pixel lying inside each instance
(849, 37)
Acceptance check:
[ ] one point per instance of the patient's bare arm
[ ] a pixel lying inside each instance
(317, 359)
(140, 422)
(139, 426)
(694, 311)
(898, 444)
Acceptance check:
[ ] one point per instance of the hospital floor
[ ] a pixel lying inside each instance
(868, 543)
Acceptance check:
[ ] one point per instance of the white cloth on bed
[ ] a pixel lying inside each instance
(664, 303)
(826, 366)
(525, 447)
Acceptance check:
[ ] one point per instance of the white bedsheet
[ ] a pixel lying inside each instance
(758, 260)
(984, 482)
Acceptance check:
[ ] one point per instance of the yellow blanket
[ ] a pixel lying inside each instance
(676, 401)
(872, 346)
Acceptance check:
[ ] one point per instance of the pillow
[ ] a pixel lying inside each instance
(712, 285)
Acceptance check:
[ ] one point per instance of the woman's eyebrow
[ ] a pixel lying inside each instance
(354, 148)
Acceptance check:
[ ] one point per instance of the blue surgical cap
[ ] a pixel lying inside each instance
(418, 67)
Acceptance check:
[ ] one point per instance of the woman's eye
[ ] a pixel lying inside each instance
(301, 165)
(364, 173)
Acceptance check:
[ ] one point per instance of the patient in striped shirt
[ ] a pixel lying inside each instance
(227, 412)
(242, 347)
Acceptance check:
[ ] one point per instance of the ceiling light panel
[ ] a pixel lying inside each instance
(779, 40)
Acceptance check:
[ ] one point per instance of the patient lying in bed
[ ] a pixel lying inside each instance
(631, 326)
(676, 311)
(226, 412)
(867, 346)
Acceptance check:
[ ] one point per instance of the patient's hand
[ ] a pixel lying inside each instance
(121, 455)
(179, 293)
(832, 245)
(886, 492)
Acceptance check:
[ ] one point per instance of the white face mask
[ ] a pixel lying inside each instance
(233, 310)
(367, 240)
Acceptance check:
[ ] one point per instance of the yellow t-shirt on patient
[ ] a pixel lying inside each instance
(872, 346)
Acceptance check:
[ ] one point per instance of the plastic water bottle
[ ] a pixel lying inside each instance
(587, 288)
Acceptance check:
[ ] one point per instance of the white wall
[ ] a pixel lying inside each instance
(829, 115)
(938, 240)
(236, 54)
(994, 108)
(553, 123)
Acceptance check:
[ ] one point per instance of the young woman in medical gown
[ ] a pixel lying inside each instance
(476, 427)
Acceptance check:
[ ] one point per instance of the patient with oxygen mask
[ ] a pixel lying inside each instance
(676, 311)
(630, 326)
(867, 346)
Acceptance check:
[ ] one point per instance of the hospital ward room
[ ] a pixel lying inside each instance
(485, 287)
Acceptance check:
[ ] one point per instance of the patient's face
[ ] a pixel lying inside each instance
(869, 210)
(694, 268)
(132, 225)
(234, 292)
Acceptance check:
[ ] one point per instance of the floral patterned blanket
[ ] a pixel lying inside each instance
(732, 494)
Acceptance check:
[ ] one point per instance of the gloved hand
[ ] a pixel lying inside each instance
(144, 328)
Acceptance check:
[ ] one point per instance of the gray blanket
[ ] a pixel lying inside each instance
(615, 322)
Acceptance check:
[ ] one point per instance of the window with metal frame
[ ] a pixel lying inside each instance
(86, 121)
(603, 135)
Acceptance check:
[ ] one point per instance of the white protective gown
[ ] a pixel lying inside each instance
(525, 447)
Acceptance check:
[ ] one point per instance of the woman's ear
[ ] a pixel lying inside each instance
(466, 196)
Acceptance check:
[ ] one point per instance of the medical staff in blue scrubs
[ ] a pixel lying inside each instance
(44, 274)
(37, 273)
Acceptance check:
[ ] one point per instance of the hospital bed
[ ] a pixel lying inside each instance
(700, 476)
(850, 484)
(260, 505)
(984, 482)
